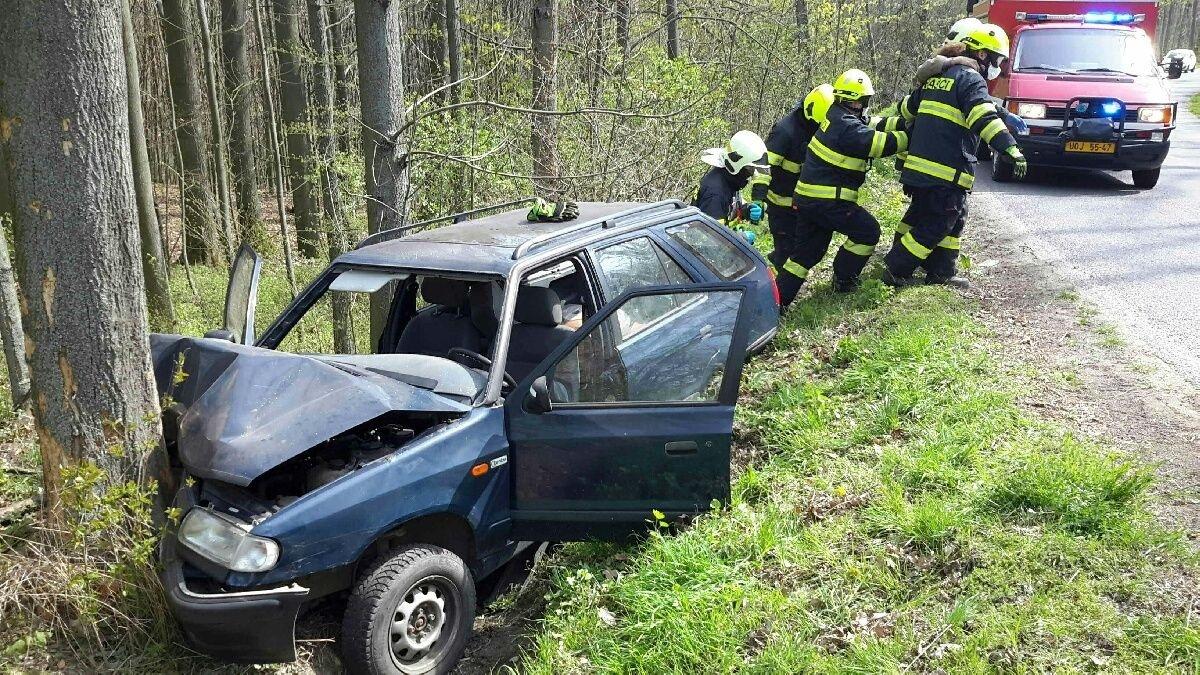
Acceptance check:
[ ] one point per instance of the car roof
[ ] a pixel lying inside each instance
(485, 245)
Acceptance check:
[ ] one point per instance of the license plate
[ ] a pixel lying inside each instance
(1091, 146)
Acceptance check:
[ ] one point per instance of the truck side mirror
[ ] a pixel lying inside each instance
(539, 396)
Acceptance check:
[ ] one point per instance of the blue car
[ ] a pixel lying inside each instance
(519, 383)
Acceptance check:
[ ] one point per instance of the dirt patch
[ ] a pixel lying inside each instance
(1100, 383)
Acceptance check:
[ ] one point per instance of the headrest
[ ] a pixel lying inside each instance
(483, 308)
(538, 306)
(448, 292)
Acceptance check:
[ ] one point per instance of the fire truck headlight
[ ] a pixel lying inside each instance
(1155, 114)
(1031, 111)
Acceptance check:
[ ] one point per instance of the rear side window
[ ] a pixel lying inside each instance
(638, 263)
(721, 256)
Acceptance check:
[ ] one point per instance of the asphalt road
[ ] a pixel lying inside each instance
(1134, 253)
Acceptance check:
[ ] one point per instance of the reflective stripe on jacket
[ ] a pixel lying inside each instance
(949, 114)
(786, 145)
(840, 154)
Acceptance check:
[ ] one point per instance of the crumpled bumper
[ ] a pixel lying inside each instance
(244, 626)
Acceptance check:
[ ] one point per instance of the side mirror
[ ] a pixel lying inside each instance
(539, 397)
(221, 334)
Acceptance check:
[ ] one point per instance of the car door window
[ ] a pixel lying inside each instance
(639, 263)
(676, 353)
(719, 254)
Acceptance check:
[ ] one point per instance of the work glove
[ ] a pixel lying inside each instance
(1020, 166)
(545, 211)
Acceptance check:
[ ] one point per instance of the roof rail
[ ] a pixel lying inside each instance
(639, 211)
(397, 232)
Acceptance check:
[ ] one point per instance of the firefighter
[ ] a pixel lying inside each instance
(950, 113)
(835, 166)
(786, 145)
(733, 167)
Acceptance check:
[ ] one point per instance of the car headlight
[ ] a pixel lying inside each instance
(1031, 111)
(227, 543)
(1155, 114)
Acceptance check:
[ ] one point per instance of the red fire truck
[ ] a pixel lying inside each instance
(1084, 78)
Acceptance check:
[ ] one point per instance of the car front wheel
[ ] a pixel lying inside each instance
(1002, 169)
(410, 612)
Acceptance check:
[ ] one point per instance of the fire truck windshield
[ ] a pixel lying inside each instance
(1084, 50)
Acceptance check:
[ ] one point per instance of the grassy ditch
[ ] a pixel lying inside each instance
(898, 511)
(1194, 105)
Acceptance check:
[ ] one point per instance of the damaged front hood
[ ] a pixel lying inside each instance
(245, 410)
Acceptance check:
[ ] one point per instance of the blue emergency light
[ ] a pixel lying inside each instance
(1115, 18)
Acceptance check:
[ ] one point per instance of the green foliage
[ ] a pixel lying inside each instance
(1194, 105)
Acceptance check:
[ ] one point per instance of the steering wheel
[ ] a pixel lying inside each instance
(478, 360)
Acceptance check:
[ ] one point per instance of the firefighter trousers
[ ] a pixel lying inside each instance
(929, 234)
(819, 220)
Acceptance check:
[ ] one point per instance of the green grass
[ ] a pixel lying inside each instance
(1194, 104)
(909, 516)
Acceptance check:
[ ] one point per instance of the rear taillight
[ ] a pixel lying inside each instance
(774, 287)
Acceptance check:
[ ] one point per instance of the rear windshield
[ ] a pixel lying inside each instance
(1083, 50)
(721, 256)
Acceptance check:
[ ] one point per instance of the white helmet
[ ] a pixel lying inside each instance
(745, 149)
(962, 28)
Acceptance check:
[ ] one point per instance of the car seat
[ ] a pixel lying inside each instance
(538, 330)
(446, 324)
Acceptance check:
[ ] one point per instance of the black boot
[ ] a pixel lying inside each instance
(897, 281)
(956, 281)
(846, 285)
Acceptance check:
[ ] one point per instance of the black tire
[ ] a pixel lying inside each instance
(1146, 179)
(378, 634)
(1002, 170)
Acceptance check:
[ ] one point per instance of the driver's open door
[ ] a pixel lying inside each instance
(632, 415)
(242, 295)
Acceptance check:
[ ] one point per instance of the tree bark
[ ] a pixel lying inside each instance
(65, 145)
(1191, 44)
(154, 261)
(801, 24)
(201, 236)
(453, 50)
(294, 103)
(338, 17)
(323, 98)
(672, 17)
(624, 15)
(239, 92)
(380, 37)
(544, 137)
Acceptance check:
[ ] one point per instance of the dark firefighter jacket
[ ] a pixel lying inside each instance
(948, 115)
(717, 190)
(840, 154)
(786, 145)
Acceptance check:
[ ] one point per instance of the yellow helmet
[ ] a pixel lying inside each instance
(816, 104)
(988, 37)
(852, 85)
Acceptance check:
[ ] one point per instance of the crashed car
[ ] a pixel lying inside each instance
(526, 382)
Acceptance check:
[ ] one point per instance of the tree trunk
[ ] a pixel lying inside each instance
(624, 15)
(273, 139)
(217, 126)
(69, 176)
(1191, 44)
(11, 331)
(201, 236)
(672, 15)
(154, 261)
(380, 36)
(294, 102)
(318, 26)
(801, 25)
(453, 50)
(338, 17)
(239, 92)
(544, 139)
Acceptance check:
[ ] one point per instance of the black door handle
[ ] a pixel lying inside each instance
(681, 448)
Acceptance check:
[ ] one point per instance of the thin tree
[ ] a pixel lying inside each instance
(217, 126)
(323, 111)
(672, 18)
(339, 17)
(623, 12)
(453, 50)
(239, 92)
(544, 137)
(1191, 43)
(11, 331)
(273, 139)
(201, 235)
(154, 260)
(69, 178)
(293, 98)
(380, 37)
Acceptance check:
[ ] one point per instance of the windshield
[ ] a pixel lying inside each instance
(1076, 50)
